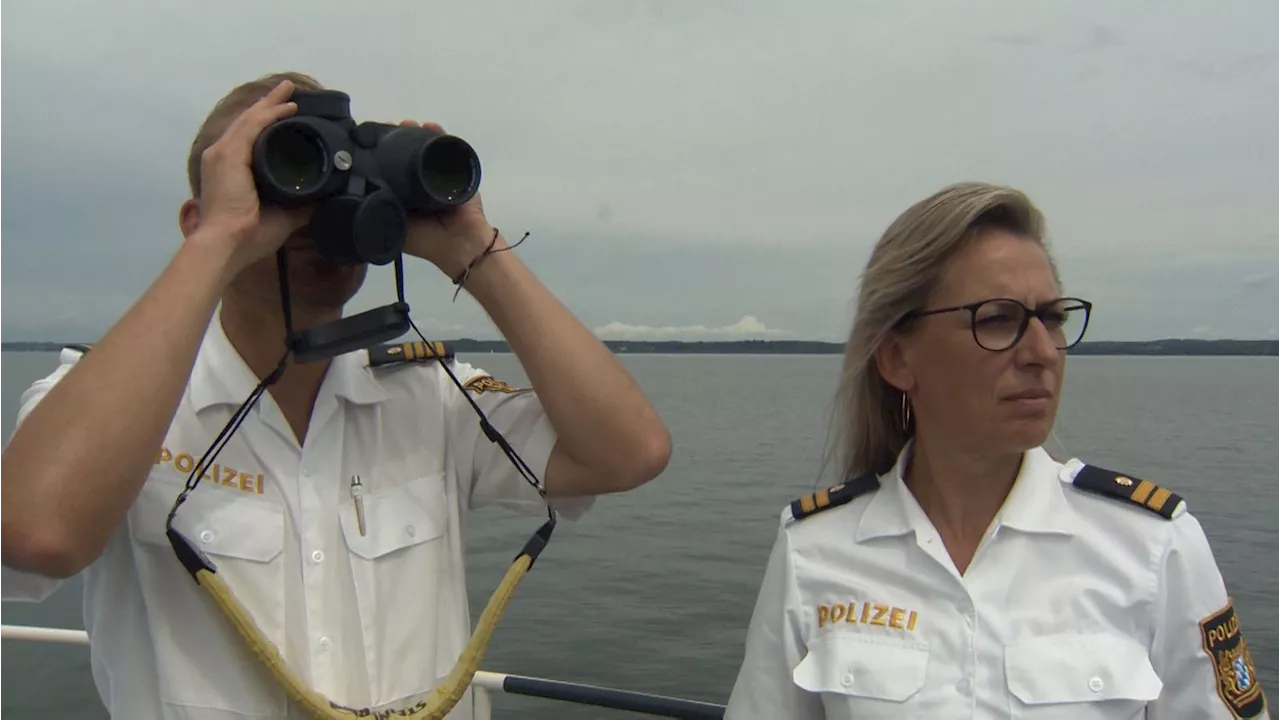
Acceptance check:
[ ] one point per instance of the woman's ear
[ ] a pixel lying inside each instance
(892, 362)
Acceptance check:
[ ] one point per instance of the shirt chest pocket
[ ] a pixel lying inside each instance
(199, 656)
(864, 676)
(1079, 676)
(396, 517)
(405, 580)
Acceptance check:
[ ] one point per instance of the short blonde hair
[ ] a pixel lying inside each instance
(228, 108)
(867, 428)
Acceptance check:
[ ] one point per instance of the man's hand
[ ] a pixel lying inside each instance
(609, 437)
(231, 218)
(452, 240)
(72, 469)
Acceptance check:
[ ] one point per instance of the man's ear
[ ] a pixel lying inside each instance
(189, 217)
(892, 362)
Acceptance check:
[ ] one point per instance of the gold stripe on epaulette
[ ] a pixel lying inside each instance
(1158, 499)
(824, 498)
(419, 350)
(1141, 492)
(807, 504)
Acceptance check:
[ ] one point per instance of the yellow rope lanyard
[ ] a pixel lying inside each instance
(446, 695)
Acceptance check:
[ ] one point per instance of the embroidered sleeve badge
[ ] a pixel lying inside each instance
(1232, 665)
(484, 383)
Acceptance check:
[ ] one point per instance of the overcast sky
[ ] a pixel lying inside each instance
(686, 169)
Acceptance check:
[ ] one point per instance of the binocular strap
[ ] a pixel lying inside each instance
(446, 695)
(441, 700)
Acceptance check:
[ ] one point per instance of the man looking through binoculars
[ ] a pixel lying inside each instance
(336, 512)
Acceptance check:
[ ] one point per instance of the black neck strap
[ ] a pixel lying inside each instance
(379, 325)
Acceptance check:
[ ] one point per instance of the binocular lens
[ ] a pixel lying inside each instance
(448, 168)
(294, 158)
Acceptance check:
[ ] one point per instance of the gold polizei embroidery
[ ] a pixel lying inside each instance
(868, 613)
(218, 474)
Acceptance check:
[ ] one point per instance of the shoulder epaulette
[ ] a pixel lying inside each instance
(407, 352)
(78, 347)
(1142, 493)
(814, 503)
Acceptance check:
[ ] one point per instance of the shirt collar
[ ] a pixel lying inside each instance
(886, 514)
(1036, 503)
(221, 377)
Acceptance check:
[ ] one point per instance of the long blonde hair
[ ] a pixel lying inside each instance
(867, 428)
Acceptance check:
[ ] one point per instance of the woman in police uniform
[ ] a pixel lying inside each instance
(962, 571)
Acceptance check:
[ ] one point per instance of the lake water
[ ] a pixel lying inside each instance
(652, 591)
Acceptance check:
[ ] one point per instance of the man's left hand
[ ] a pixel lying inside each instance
(452, 240)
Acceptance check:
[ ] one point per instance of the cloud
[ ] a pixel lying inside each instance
(748, 328)
(1258, 279)
(680, 162)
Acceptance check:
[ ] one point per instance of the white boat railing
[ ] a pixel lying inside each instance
(483, 685)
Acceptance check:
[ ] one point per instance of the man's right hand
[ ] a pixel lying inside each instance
(229, 209)
(72, 468)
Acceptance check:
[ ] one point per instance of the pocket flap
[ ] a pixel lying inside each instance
(397, 516)
(868, 666)
(228, 525)
(1080, 668)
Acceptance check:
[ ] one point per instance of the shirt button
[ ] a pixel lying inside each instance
(317, 556)
(963, 686)
(1095, 684)
(324, 643)
(847, 680)
(410, 530)
(206, 536)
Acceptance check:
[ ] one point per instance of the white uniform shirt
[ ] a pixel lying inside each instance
(367, 620)
(1075, 605)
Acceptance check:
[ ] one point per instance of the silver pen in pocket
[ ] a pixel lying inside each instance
(357, 497)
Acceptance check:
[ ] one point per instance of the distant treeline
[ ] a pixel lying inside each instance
(812, 347)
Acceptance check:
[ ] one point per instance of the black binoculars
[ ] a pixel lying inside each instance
(365, 179)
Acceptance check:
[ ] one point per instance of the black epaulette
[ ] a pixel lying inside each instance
(78, 347)
(407, 352)
(814, 503)
(1143, 493)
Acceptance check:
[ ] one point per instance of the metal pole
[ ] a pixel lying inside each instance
(42, 634)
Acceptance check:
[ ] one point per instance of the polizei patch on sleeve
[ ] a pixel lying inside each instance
(485, 383)
(1232, 666)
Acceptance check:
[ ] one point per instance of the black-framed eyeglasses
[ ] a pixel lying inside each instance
(999, 323)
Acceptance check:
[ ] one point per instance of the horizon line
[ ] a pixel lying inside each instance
(464, 339)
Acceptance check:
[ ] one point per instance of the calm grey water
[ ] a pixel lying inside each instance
(652, 591)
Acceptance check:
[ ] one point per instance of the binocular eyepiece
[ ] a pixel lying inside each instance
(365, 179)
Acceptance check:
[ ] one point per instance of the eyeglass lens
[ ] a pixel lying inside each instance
(997, 324)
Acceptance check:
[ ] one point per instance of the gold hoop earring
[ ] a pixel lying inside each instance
(906, 414)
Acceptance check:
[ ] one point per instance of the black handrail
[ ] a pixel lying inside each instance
(597, 696)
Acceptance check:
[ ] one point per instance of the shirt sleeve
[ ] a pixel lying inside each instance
(1199, 649)
(764, 688)
(16, 585)
(481, 463)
